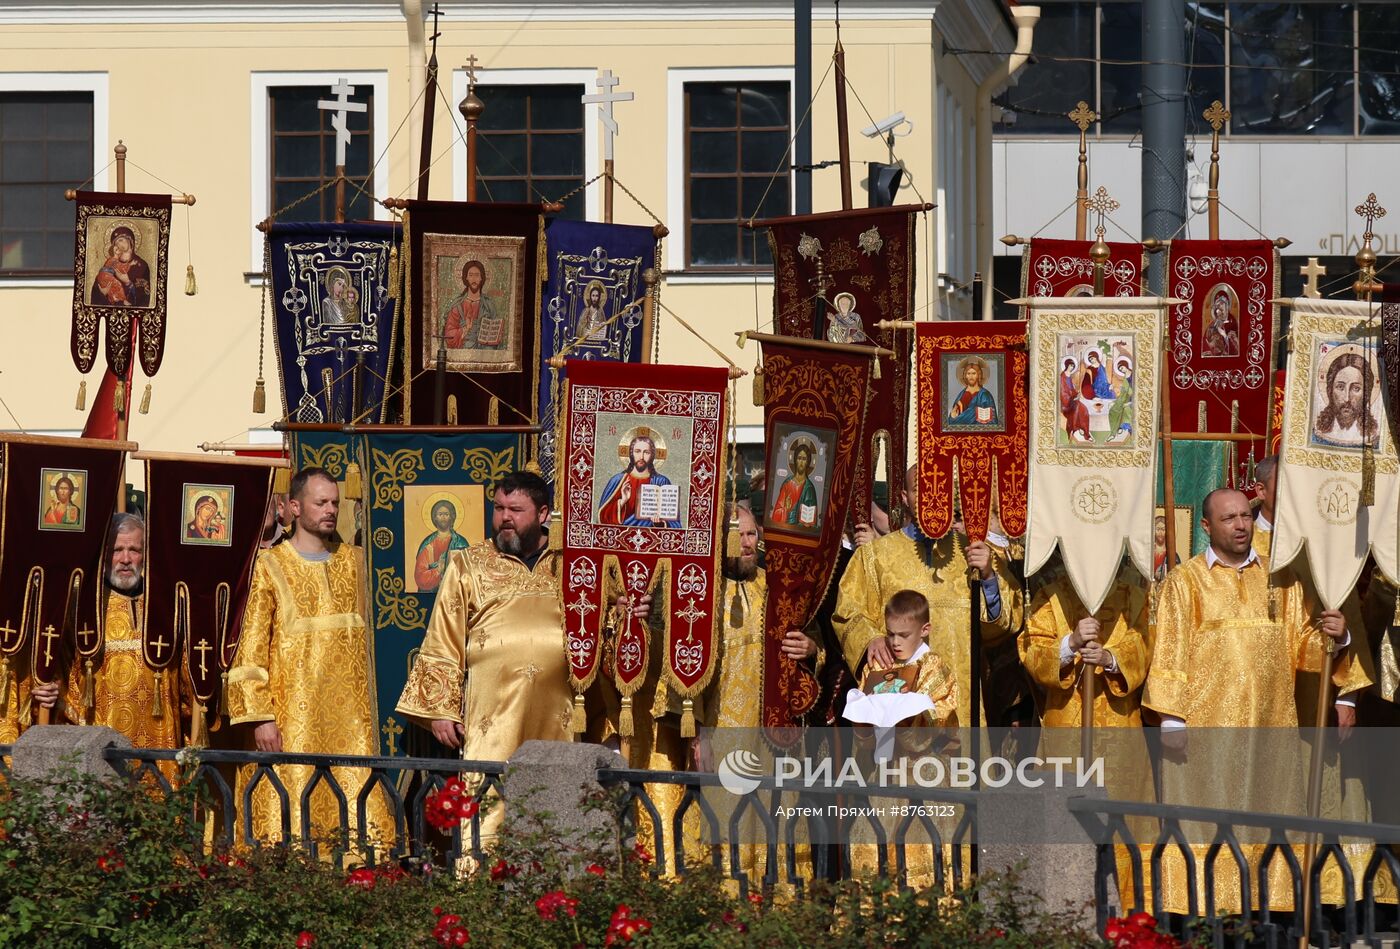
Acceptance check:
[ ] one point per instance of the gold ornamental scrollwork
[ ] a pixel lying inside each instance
(485, 466)
(331, 457)
(393, 607)
(391, 472)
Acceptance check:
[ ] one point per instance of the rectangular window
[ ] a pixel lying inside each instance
(1060, 74)
(302, 153)
(530, 144)
(1378, 95)
(46, 142)
(736, 168)
(1291, 69)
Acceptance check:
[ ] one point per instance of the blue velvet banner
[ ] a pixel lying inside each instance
(595, 273)
(331, 306)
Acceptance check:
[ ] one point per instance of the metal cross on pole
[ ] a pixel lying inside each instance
(604, 98)
(341, 106)
(1082, 117)
(1312, 271)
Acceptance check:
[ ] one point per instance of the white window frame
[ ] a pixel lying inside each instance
(676, 79)
(260, 137)
(95, 83)
(592, 137)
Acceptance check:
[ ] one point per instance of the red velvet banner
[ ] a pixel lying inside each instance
(835, 276)
(1055, 268)
(1221, 339)
(59, 495)
(472, 276)
(120, 273)
(973, 414)
(641, 468)
(204, 519)
(814, 418)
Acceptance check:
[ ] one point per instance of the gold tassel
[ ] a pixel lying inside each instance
(146, 401)
(393, 273)
(259, 397)
(624, 718)
(158, 705)
(451, 410)
(4, 684)
(875, 370)
(1200, 416)
(223, 691)
(282, 480)
(733, 546)
(758, 397)
(89, 680)
(493, 412)
(119, 398)
(81, 402)
(352, 480)
(556, 530)
(578, 721)
(199, 727)
(1368, 477)
(191, 288)
(688, 718)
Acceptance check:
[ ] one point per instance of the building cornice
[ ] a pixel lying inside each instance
(60, 12)
(975, 24)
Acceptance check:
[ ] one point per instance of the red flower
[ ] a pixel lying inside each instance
(596, 869)
(756, 898)
(305, 939)
(623, 927)
(641, 853)
(391, 872)
(363, 878)
(455, 787)
(1142, 920)
(501, 870)
(110, 861)
(552, 902)
(450, 805)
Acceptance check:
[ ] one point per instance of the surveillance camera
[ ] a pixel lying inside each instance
(885, 126)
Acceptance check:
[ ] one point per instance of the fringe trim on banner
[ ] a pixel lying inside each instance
(4, 682)
(146, 401)
(81, 402)
(157, 703)
(199, 727)
(578, 720)
(89, 698)
(259, 397)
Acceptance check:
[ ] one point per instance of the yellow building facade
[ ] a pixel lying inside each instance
(190, 87)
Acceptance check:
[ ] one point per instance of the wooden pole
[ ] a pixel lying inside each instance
(123, 397)
(607, 191)
(1324, 690)
(425, 148)
(471, 108)
(340, 194)
(1217, 116)
(843, 140)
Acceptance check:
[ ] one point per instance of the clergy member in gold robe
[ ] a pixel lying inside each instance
(1265, 484)
(1229, 643)
(1062, 644)
(937, 568)
(303, 674)
(491, 673)
(21, 697)
(126, 694)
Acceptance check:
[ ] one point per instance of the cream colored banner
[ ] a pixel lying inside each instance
(1333, 410)
(1095, 390)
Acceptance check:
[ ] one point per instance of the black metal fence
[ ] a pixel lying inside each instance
(1259, 846)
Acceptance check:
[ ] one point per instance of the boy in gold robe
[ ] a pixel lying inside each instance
(303, 673)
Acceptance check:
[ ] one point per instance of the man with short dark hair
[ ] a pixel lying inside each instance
(497, 625)
(302, 676)
(1265, 485)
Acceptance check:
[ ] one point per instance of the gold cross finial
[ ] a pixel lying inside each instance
(1372, 211)
(1217, 115)
(471, 65)
(49, 635)
(1312, 271)
(1101, 204)
(203, 649)
(1083, 116)
(392, 730)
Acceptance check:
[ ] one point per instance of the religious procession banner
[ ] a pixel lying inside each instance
(204, 520)
(1095, 363)
(1390, 363)
(973, 418)
(814, 419)
(593, 307)
(426, 495)
(334, 308)
(120, 270)
(642, 466)
(1057, 268)
(1338, 448)
(1220, 354)
(835, 276)
(58, 498)
(473, 276)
